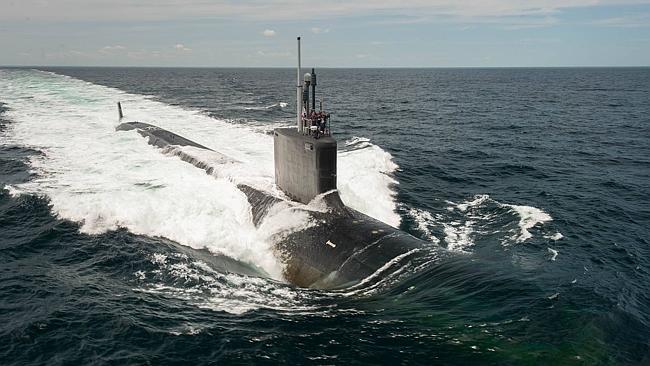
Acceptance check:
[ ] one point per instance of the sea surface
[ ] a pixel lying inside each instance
(536, 182)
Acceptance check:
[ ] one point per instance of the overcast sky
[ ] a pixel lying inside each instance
(352, 33)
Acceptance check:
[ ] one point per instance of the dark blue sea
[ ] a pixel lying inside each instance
(536, 183)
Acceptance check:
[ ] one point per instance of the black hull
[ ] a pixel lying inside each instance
(342, 246)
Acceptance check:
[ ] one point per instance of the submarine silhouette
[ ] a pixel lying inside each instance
(343, 247)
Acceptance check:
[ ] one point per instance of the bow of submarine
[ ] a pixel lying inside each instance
(341, 248)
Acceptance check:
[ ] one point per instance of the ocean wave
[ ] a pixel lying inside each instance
(528, 216)
(178, 276)
(279, 105)
(424, 220)
(462, 224)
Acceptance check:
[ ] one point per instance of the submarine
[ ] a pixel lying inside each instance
(342, 247)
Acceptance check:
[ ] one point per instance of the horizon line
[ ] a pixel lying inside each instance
(332, 67)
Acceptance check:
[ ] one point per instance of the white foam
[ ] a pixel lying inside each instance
(357, 142)
(196, 282)
(477, 201)
(553, 252)
(107, 180)
(458, 235)
(555, 237)
(13, 191)
(529, 217)
(423, 219)
(260, 108)
(283, 219)
(355, 289)
(365, 182)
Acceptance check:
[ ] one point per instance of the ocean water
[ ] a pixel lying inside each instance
(534, 181)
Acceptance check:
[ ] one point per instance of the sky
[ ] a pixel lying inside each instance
(339, 33)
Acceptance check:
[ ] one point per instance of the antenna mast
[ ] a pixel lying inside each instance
(119, 110)
(299, 93)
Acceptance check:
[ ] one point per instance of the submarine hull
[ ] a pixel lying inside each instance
(158, 136)
(341, 247)
(344, 250)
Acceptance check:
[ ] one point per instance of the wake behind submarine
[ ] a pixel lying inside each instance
(343, 246)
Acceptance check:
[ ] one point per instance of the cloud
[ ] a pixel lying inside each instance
(317, 30)
(268, 33)
(62, 55)
(166, 10)
(629, 21)
(274, 54)
(106, 50)
(516, 24)
(181, 47)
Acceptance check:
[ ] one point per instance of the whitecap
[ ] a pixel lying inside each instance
(553, 252)
(529, 217)
(424, 220)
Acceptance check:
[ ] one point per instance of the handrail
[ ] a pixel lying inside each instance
(308, 122)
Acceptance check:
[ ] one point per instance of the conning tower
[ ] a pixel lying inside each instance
(305, 156)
